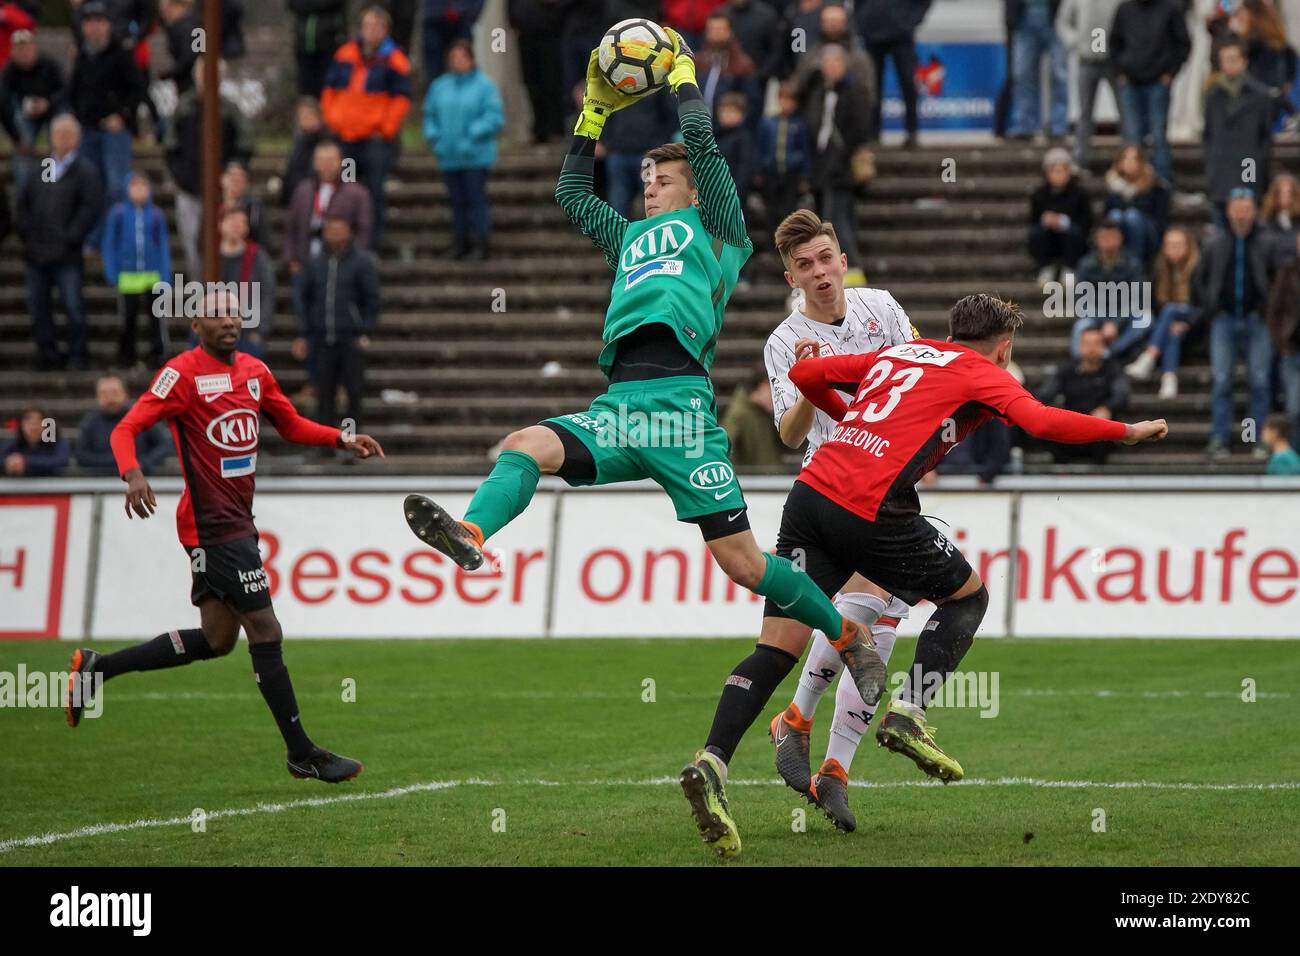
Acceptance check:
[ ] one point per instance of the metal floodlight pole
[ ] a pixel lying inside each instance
(211, 139)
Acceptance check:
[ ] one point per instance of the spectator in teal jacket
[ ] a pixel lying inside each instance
(462, 116)
(136, 257)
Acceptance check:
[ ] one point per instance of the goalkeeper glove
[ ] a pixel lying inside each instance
(683, 70)
(599, 102)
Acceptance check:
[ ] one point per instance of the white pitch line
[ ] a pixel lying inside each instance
(98, 829)
(201, 695)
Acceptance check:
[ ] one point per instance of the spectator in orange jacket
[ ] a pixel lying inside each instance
(366, 97)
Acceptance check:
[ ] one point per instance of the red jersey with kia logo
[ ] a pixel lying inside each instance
(213, 412)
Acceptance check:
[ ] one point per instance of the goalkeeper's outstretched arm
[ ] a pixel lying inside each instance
(720, 207)
(598, 220)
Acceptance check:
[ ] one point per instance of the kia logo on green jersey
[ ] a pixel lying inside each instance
(659, 242)
(713, 474)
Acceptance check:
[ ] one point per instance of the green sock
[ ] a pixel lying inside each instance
(505, 494)
(797, 594)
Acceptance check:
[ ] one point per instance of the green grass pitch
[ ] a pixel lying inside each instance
(544, 752)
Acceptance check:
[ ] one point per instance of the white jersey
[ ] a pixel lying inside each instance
(873, 320)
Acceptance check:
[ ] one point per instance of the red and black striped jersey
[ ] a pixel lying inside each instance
(212, 409)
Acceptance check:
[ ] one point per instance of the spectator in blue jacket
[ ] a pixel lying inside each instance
(36, 451)
(444, 23)
(784, 157)
(462, 116)
(94, 455)
(136, 258)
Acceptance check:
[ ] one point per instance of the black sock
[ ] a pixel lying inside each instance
(277, 690)
(744, 696)
(943, 643)
(166, 650)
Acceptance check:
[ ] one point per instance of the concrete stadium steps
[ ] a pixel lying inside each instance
(471, 374)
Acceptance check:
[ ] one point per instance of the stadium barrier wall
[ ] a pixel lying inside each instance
(1061, 557)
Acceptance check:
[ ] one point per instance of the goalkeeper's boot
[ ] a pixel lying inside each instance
(904, 731)
(324, 766)
(81, 677)
(790, 732)
(858, 651)
(702, 784)
(830, 792)
(459, 540)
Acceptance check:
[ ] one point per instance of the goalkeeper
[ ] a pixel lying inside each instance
(673, 274)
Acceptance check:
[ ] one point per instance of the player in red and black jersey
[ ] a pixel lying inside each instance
(854, 506)
(211, 397)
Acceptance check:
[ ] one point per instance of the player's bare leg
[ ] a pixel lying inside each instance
(305, 759)
(525, 456)
(214, 638)
(940, 648)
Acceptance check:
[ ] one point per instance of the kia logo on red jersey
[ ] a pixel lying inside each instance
(236, 430)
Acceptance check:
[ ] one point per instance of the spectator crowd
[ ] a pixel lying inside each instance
(796, 91)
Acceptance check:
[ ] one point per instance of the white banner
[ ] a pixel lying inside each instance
(43, 547)
(596, 563)
(339, 565)
(1160, 565)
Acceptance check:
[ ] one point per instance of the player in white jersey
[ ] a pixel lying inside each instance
(828, 319)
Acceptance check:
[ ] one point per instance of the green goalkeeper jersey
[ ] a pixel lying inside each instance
(678, 267)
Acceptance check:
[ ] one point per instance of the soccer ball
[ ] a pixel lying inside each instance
(635, 56)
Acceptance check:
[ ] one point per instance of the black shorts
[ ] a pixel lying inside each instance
(908, 557)
(230, 572)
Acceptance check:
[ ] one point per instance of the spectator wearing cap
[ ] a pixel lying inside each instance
(104, 93)
(1149, 44)
(1238, 137)
(366, 98)
(1233, 282)
(136, 258)
(94, 455)
(54, 218)
(31, 87)
(1060, 217)
(13, 19)
(463, 115)
(888, 28)
(36, 450)
(1109, 267)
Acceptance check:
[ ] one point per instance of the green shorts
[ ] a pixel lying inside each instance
(665, 429)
